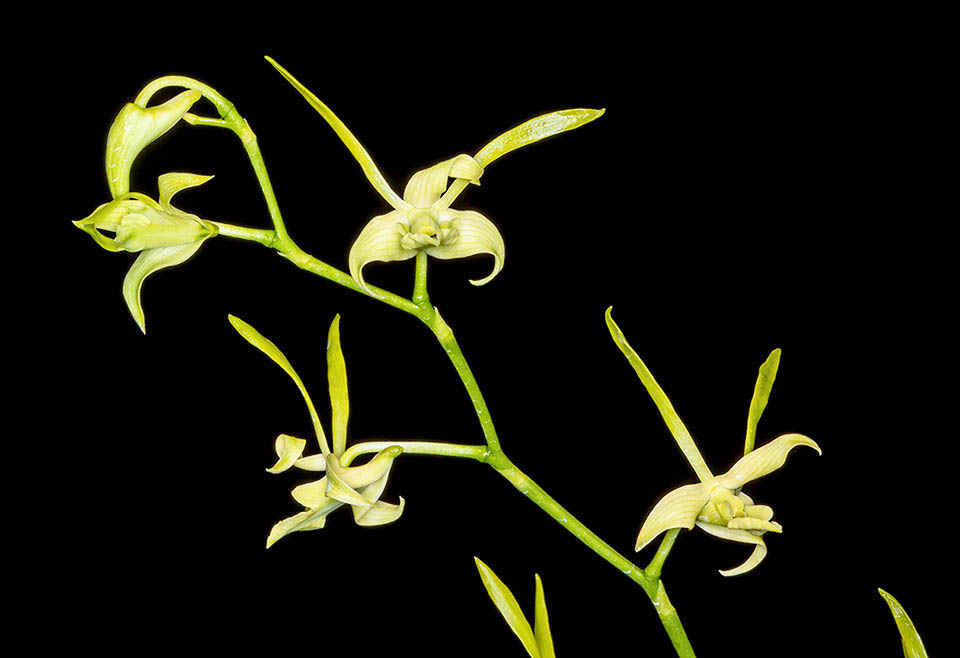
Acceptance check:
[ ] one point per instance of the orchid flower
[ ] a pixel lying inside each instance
(422, 219)
(717, 505)
(357, 486)
(165, 235)
(537, 640)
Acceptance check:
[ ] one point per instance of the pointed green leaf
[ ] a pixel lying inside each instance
(670, 417)
(534, 130)
(541, 624)
(266, 346)
(912, 644)
(761, 395)
(337, 379)
(356, 149)
(507, 605)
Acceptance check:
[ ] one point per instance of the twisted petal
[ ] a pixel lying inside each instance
(289, 448)
(266, 346)
(148, 262)
(477, 235)
(312, 463)
(534, 130)
(343, 482)
(507, 604)
(744, 536)
(678, 509)
(307, 520)
(136, 127)
(337, 378)
(761, 395)
(378, 241)
(428, 185)
(311, 495)
(174, 182)
(764, 460)
(356, 149)
(912, 644)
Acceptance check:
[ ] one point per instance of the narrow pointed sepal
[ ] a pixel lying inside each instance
(534, 130)
(136, 127)
(148, 262)
(427, 186)
(743, 536)
(678, 509)
(475, 235)
(764, 460)
(761, 395)
(311, 519)
(337, 380)
(507, 604)
(541, 623)
(312, 463)
(289, 448)
(378, 241)
(172, 183)
(912, 644)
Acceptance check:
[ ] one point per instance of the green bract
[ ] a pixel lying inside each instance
(537, 641)
(164, 235)
(716, 505)
(357, 486)
(422, 219)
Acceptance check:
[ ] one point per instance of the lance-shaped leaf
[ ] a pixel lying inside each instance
(428, 185)
(136, 127)
(266, 346)
(761, 395)
(912, 644)
(743, 536)
(337, 381)
(670, 417)
(541, 623)
(356, 149)
(541, 127)
(764, 460)
(507, 604)
(289, 448)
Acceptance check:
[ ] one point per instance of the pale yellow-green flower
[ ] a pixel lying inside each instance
(357, 486)
(717, 505)
(910, 638)
(164, 235)
(538, 640)
(422, 220)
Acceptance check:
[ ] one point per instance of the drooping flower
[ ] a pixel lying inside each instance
(717, 505)
(165, 235)
(422, 219)
(358, 486)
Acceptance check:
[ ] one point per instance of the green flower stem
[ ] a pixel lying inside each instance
(656, 564)
(263, 236)
(478, 453)
(420, 296)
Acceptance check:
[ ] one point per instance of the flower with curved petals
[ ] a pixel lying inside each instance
(357, 486)
(164, 235)
(422, 218)
(717, 504)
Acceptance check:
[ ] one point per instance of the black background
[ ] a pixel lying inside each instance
(745, 190)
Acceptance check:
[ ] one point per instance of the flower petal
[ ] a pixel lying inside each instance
(306, 520)
(343, 482)
(428, 185)
(761, 395)
(912, 644)
(148, 262)
(266, 346)
(337, 379)
(507, 604)
(744, 536)
(174, 182)
(380, 513)
(541, 623)
(679, 431)
(378, 241)
(356, 149)
(312, 463)
(477, 235)
(678, 509)
(289, 448)
(311, 495)
(764, 460)
(135, 128)
(534, 130)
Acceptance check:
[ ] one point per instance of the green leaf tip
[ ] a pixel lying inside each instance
(912, 644)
